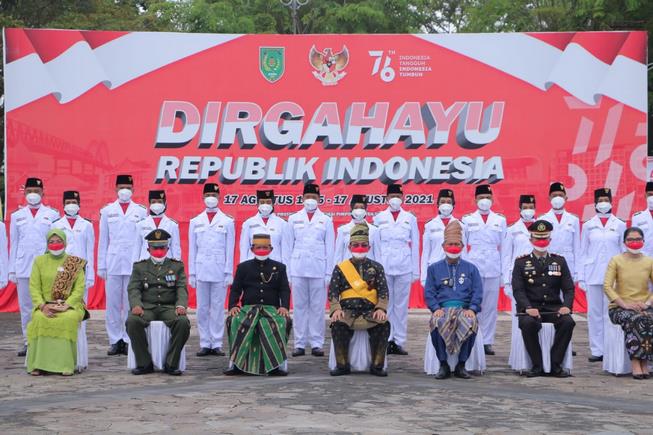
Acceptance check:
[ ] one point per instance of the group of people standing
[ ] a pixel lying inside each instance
(365, 268)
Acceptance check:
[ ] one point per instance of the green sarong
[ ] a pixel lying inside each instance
(257, 339)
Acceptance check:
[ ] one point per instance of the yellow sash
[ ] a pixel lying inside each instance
(358, 285)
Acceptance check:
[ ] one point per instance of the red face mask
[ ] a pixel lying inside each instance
(262, 252)
(158, 252)
(452, 249)
(56, 246)
(360, 249)
(635, 245)
(541, 243)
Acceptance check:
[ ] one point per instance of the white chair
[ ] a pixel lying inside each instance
(522, 362)
(82, 349)
(360, 353)
(615, 356)
(158, 338)
(475, 363)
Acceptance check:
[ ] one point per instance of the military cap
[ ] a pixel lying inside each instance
(359, 233)
(158, 237)
(540, 229)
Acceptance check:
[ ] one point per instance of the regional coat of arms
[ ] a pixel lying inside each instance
(329, 66)
(271, 62)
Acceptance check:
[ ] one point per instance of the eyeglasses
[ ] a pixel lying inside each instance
(360, 245)
(634, 239)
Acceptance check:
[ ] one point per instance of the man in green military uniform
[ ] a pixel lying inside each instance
(157, 291)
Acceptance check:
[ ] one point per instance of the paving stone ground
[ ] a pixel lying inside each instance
(108, 399)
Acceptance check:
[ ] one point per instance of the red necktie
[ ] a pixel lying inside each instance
(125, 206)
(210, 214)
(445, 221)
(157, 221)
(71, 222)
(604, 220)
(484, 216)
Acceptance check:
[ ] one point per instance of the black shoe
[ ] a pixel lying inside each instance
(595, 358)
(488, 349)
(171, 371)
(124, 348)
(316, 351)
(559, 373)
(23, 351)
(233, 371)
(646, 375)
(340, 371)
(143, 370)
(299, 352)
(573, 353)
(638, 377)
(444, 372)
(378, 371)
(277, 372)
(205, 351)
(535, 372)
(217, 352)
(398, 350)
(392, 346)
(461, 372)
(115, 349)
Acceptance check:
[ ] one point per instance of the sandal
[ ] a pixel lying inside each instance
(67, 374)
(36, 372)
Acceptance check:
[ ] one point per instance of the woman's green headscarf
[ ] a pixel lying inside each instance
(56, 232)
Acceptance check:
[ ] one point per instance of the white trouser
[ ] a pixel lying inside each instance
(25, 304)
(399, 294)
(487, 318)
(210, 313)
(597, 313)
(309, 297)
(117, 306)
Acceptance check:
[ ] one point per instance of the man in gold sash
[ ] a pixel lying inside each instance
(358, 295)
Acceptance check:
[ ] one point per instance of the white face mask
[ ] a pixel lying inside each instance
(211, 202)
(157, 208)
(395, 203)
(359, 255)
(527, 214)
(310, 204)
(445, 209)
(265, 209)
(649, 202)
(57, 252)
(484, 204)
(71, 209)
(633, 251)
(262, 257)
(358, 214)
(451, 255)
(557, 202)
(124, 195)
(158, 260)
(603, 207)
(33, 198)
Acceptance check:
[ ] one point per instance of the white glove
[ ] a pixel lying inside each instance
(192, 281)
(3, 284)
(507, 290)
(423, 283)
(228, 279)
(415, 278)
(12, 277)
(582, 285)
(102, 273)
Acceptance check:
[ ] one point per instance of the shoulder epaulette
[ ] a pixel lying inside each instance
(555, 254)
(465, 215)
(229, 216)
(87, 219)
(639, 212)
(523, 256)
(174, 260)
(142, 206)
(57, 220)
(621, 219)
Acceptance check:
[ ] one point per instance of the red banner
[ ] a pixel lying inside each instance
(352, 112)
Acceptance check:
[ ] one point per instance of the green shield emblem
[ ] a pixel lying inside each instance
(271, 62)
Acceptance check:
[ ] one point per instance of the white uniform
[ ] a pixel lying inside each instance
(400, 259)
(146, 226)
(118, 237)
(598, 245)
(432, 239)
(27, 235)
(644, 221)
(80, 242)
(565, 239)
(210, 266)
(484, 241)
(4, 257)
(276, 227)
(311, 265)
(342, 242)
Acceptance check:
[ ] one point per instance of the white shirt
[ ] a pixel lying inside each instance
(211, 247)
(146, 226)
(516, 243)
(118, 237)
(27, 235)
(399, 243)
(80, 242)
(565, 239)
(644, 221)
(276, 227)
(484, 240)
(342, 242)
(432, 240)
(598, 245)
(4, 256)
(312, 244)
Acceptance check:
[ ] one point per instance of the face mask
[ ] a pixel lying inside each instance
(124, 195)
(56, 249)
(603, 207)
(540, 245)
(360, 252)
(71, 209)
(262, 254)
(211, 202)
(395, 203)
(649, 202)
(265, 209)
(157, 208)
(634, 247)
(358, 214)
(484, 204)
(310, 204)
(557, 202)
(453, 252)
(158, 252)
(528, 214)
(33, 198)
(445, 209)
